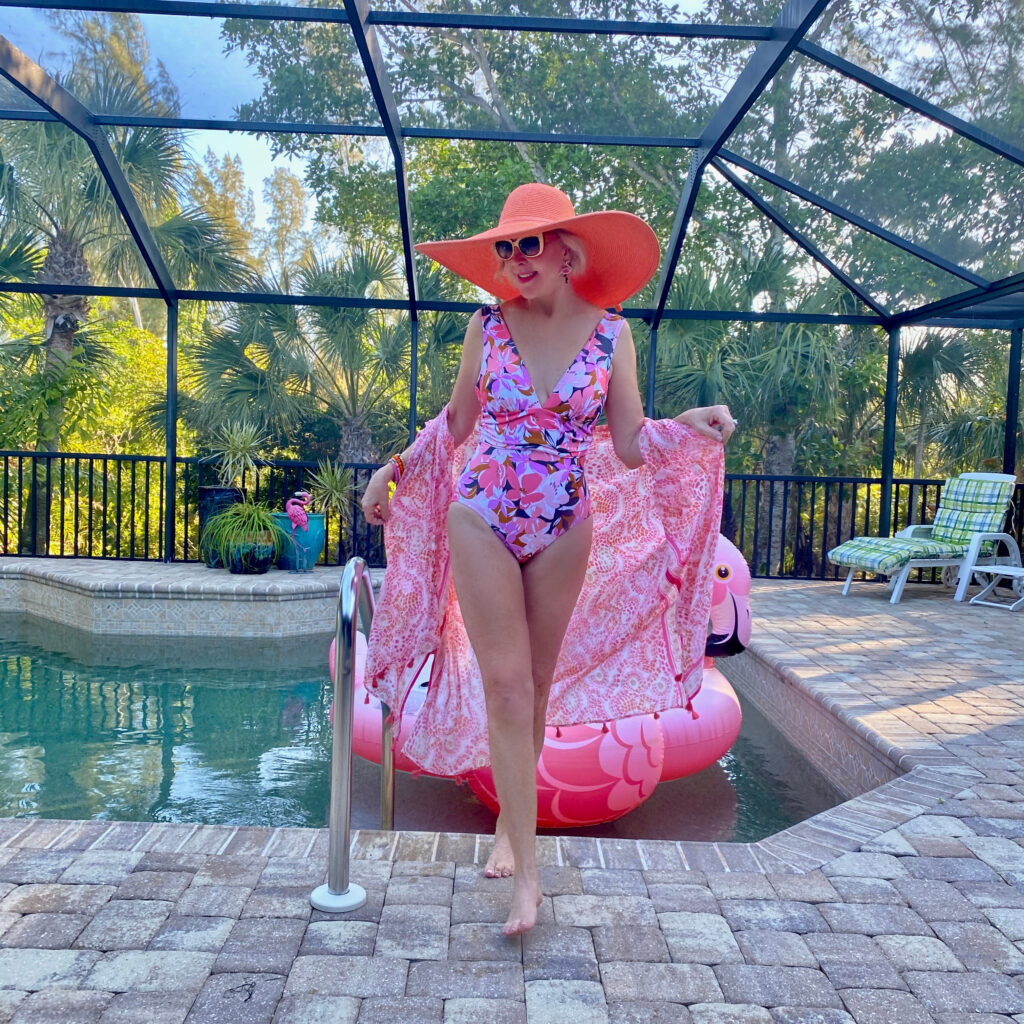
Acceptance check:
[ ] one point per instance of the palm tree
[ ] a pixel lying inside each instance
(777, 378)
(936, 373)
(440, 348)
(56, 197)
(20, 257)
(56, 200)
(696, 357)
(973, 438)
(282, 365)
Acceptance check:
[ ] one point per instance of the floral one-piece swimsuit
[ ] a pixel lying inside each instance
(525, 478)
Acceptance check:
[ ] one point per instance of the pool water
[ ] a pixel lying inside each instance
(236, 732)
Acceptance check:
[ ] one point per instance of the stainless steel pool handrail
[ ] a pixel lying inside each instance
(355, 600)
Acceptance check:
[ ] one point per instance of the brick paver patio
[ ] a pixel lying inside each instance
(904, 905)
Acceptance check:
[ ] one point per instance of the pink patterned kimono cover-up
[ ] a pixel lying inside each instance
(635, 643)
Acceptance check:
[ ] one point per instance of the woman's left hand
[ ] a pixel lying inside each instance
(714, 421)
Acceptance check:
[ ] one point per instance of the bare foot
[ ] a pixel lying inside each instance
(501, 863)
(522, 915)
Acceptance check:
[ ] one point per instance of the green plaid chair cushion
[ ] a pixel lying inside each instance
(967, 507)
(953, 527)
(887, 555)
(976, 495)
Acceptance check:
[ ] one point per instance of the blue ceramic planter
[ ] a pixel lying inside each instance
(301, 548)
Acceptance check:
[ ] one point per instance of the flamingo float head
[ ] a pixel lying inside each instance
(730, 605)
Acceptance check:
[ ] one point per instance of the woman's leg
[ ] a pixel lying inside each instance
(552, 581)
(489, 583)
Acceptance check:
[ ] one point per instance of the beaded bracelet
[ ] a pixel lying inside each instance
(399, 467)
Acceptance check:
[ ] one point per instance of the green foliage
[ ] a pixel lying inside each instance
(21, 258)
(533, 81)
(134, 367)
(218, 188)
(27, 391)
(55, 201)
(341, 372)
(284, 245)
(104, 388)
(245, 524)
(236, 449)
(334, 382)
(330, 486)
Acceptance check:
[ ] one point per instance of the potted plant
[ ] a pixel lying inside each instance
(244, 536)
(235, 452)
(330, 489)
(304, 534)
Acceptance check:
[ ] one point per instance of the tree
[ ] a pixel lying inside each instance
(219, 189)
(283, 366)
(937, 372)
(532, 81)
(20, 255)
(55, 196)
(972, 434)
(813, 394)
(25, 391)
(284, 243)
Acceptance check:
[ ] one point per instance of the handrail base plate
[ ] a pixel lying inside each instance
(323, 899)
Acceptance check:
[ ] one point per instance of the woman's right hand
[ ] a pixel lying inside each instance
(376, 498)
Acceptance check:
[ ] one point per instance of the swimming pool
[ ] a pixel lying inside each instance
(236, 732)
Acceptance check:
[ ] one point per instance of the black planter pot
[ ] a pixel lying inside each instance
(213, 499)
(251, 559)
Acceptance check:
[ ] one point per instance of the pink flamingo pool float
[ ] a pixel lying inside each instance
(599, 771)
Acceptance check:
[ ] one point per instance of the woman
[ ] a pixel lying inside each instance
(540, 368)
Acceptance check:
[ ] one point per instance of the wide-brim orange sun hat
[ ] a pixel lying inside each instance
(622, 251)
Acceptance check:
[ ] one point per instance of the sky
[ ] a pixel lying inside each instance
(212, 84)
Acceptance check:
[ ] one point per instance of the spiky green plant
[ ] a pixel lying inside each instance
(236, 451)
(330, 486)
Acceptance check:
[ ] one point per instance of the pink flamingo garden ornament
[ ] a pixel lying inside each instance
(295, 509)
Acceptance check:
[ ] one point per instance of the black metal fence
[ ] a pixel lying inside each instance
(785, 526)
(74, 505)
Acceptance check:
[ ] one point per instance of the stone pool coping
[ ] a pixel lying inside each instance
(800, 848)
(169, 599)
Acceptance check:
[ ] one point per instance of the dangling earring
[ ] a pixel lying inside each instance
(566, 266)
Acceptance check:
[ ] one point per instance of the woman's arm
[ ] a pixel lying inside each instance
(464, 406)
(622, 406)
(625, 412)
(463, 412)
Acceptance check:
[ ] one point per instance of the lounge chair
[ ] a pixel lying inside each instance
(967, 532)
